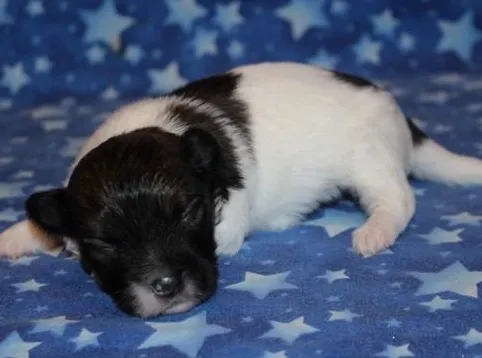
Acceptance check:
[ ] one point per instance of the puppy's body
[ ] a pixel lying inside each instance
(291, 136)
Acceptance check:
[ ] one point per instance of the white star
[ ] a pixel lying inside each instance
(336, 221)
(332, 276)
(186, 336)
(235, 49)
(262, 285)
(134, 54)
(438, 303)
(5, 18)
(53, 125)
(385, 23)
(228, 16)
(280, 354)
(290, 331)
(14, 77)
(56, 325)
(86, 338)
(95, 54)
(47, 112)
(459, 36)
(344, 315)
(12, 190)
(30, 285)
(22, 174)
(407, 42)
(454, 278)
(303, 15)
(463, 219)
(10, 214)
(166, 79)
(72, 147)
(323, 59)
(5, 103)
(339, 7)
(438, 97)
(5, 160)
(445, 79)
(367, 50)
(184, 13)
(42, 65)
(396, 351)
(204, 43)
(394, 323)
(110, 94)
(440, 236)
(15, 347)
(471, 338)
(35, 8)
(105, 24)
(23, 261)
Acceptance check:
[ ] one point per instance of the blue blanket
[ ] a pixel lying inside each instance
(64, 65)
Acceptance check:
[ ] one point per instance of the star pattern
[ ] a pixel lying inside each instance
(86, 338)
(441, 236)
(166, 79)
(396, 351)
(454, 278)
(303, 15)
(471, 338)
(289, 332)
(14, 346)
(55, 325)
(30, 285)
(367, 50)
(459, 36)
(438, 303)
(385, 24)
(14, 77)
(262, 285)
(332, 276)
(184, 13)
(64, 68)
(464, 218)
(168, 334)
(337, 221)
(228, 16)
(105, 24)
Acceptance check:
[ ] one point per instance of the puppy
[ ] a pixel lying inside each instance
(166, 185)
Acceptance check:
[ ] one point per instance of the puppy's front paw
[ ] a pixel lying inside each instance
(23, 238)
(11, 246)
(228, 242)
(373, 237)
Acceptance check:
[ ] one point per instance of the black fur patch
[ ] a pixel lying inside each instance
(418, 137)
(220, 91)
(194, 118)
(355, 81)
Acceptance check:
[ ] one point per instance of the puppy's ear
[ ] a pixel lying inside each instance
(201, 151)
(49, 210)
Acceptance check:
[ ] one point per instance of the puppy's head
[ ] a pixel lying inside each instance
(141, 209)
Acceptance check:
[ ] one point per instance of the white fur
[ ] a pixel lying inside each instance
(312, 135)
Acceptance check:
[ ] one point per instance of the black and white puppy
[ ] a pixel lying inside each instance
(167, 184)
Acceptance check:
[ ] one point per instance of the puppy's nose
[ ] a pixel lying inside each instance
(166, 285)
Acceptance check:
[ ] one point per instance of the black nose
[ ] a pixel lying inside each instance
(166, 285)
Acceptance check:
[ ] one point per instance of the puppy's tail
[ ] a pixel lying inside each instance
(433, 162)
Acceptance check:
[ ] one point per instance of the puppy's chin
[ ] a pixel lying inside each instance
(145, 303)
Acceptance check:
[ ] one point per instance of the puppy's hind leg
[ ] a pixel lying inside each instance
(25, 238)
(386, 196)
